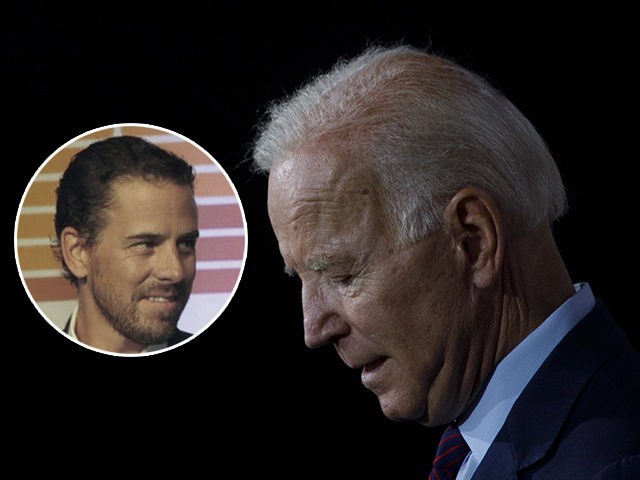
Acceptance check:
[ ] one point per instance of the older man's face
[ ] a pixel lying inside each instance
(400, 315)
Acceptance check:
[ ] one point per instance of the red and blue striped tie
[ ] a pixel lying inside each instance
(452, 450)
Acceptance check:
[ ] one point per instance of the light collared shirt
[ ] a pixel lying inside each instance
(72, 334)
(513, 374)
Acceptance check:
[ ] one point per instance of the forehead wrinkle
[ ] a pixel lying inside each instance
(325, 203)
(317, 206)
(319, 219)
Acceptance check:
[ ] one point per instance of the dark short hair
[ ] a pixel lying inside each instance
(85, 187)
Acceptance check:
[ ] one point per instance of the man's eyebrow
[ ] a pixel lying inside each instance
(319, 265)
(144, 236)
(157, 236)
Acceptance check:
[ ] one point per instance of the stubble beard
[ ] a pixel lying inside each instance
(127, 319)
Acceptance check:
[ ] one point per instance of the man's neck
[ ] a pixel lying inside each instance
(535, 282)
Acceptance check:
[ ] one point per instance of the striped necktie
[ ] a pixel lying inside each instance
(452, 450)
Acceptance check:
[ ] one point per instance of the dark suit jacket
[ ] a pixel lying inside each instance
(579, 417)
(178, 337)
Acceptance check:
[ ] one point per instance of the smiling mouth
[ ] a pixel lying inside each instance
(164, 294)
(161, 299)
(167, 300)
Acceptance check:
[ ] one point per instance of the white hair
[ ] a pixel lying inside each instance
(427, 128)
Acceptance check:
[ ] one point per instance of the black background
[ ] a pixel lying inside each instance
(246, 398)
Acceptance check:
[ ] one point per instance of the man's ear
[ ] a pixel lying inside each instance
(75, 251)
(475, 223)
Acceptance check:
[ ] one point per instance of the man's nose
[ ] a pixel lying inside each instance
(323, 322)
(170, 265)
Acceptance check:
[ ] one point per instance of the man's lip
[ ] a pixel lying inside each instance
(156, 297)
(366, 364)
(371, 372)
(160, 293)
(373, 365)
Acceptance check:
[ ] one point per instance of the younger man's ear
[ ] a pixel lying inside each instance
(476, 226)
(75, 251)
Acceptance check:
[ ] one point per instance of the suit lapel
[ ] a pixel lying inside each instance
(539, 413)
(499, 462)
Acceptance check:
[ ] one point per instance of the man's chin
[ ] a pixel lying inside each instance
(400, 409)
(154, 331)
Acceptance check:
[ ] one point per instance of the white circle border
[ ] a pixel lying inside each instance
(211, 158)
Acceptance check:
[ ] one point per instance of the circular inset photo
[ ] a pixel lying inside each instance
(130, 240)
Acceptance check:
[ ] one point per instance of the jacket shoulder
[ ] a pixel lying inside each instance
(600, 432)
